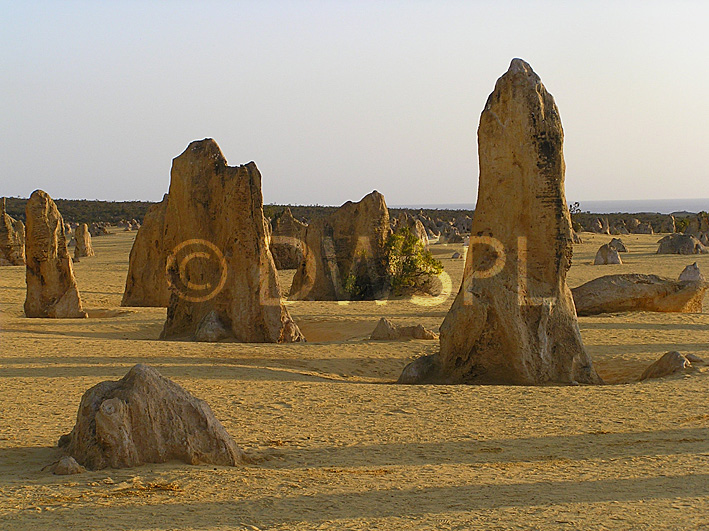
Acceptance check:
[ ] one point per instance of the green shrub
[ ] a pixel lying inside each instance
(411, 266)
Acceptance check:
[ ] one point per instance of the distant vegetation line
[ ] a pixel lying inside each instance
(88, 211)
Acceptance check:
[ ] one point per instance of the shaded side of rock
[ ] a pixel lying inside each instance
(146, 282)
(423, 369)
(287, 241)
(670, 363)
(618, 245)
(12, 238)
(211, 329)
(386, 330)
(350, 242)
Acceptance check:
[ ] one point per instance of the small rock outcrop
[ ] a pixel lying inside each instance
(513, 320)
(668, 224)
(450, 234)
(638, 293)
(618, 245)
(607, 255)
(414, 226)
(698, 224)
(681, 244)
(287, 241)
(644, 228)
(12, 238)
(83, 242)
(99, 229)
(67, 466)
(349, 243)
(691, 273)
(51, 286)
(219, 264)
(669, 364)
(146, 418)
(146, 283)
(386, 330)
(600, 226)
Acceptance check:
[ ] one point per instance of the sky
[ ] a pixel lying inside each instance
(333, 99)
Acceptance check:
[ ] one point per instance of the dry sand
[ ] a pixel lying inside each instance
(336, 446)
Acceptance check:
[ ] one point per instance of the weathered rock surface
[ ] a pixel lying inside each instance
(668, 224)
(618, 245)
(691, 273)
(146, 283)
(99, 229)
(619, 228)
(67, 466)
(450, 234)
(287, 241)
(386, 330)
(513, 321)
(607, 255)
(698, 224)
(644, 228)
(600, 226)
(220, 263)
(146, 418)
(681, 244)
(83, 242)
(670, 363)
(51, 286)
(414, 226)
(638, 293)
(211, 329)
(349, 242)
(12, 238)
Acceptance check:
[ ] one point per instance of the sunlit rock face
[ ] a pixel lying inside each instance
(513, 321)
(223, 282)
(51, 286)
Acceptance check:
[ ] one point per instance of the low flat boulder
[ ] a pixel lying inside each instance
(67, 466)
(638, 293)
(146, 418)
(607, 255)
(681, 244)
(386, 330)
(669, 364)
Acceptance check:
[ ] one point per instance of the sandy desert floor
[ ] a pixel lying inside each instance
(336, 446)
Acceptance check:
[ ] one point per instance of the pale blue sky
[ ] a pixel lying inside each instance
(335, 99)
